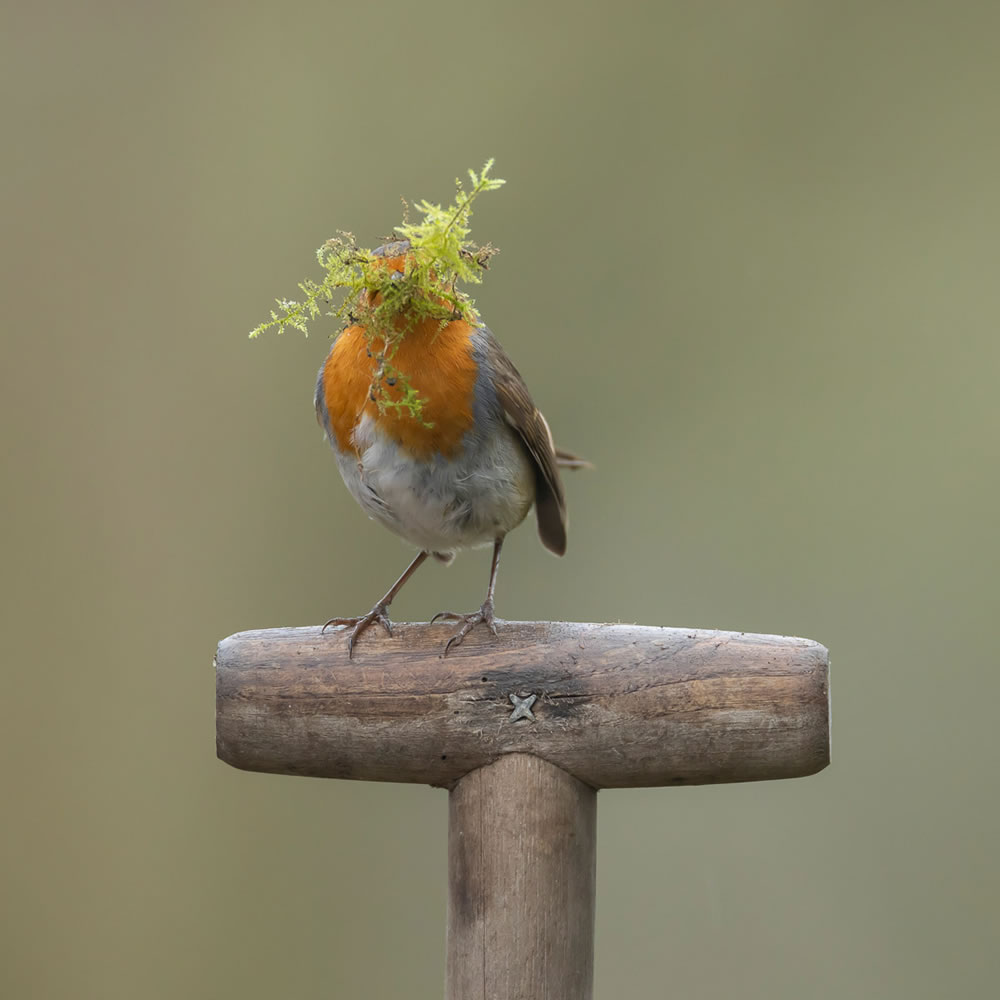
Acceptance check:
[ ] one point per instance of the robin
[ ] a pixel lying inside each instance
(464, 474)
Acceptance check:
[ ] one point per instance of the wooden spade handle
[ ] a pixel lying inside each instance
(522, 850)
(615, 706)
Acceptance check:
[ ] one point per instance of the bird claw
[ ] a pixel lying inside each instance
(484, 616)
(360, 624)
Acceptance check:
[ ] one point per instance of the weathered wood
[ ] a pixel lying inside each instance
(521, 874)
(615, 705)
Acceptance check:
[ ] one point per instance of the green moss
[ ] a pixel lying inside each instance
(357, 288)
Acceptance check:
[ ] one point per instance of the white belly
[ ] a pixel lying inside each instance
(440, 505)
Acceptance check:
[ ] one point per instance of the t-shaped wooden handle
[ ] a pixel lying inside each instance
(523, 729)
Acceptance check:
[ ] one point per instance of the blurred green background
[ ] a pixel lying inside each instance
(768, 234)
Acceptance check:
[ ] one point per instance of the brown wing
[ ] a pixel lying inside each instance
(525, 418)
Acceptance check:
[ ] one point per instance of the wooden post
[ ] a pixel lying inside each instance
(523, 730)
(522, 861)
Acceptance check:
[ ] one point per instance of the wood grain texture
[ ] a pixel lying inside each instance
(615, 705)
(521, 874)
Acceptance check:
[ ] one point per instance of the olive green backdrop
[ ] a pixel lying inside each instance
(749, 268)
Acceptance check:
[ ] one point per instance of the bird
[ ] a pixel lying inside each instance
(465, 473)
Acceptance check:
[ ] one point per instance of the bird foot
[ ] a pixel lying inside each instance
(484, 616)
(358, 625)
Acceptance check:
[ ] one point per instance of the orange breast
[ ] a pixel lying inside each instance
(438, 363)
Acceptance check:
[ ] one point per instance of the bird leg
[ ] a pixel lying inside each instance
(483, 616)
(377, 613)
